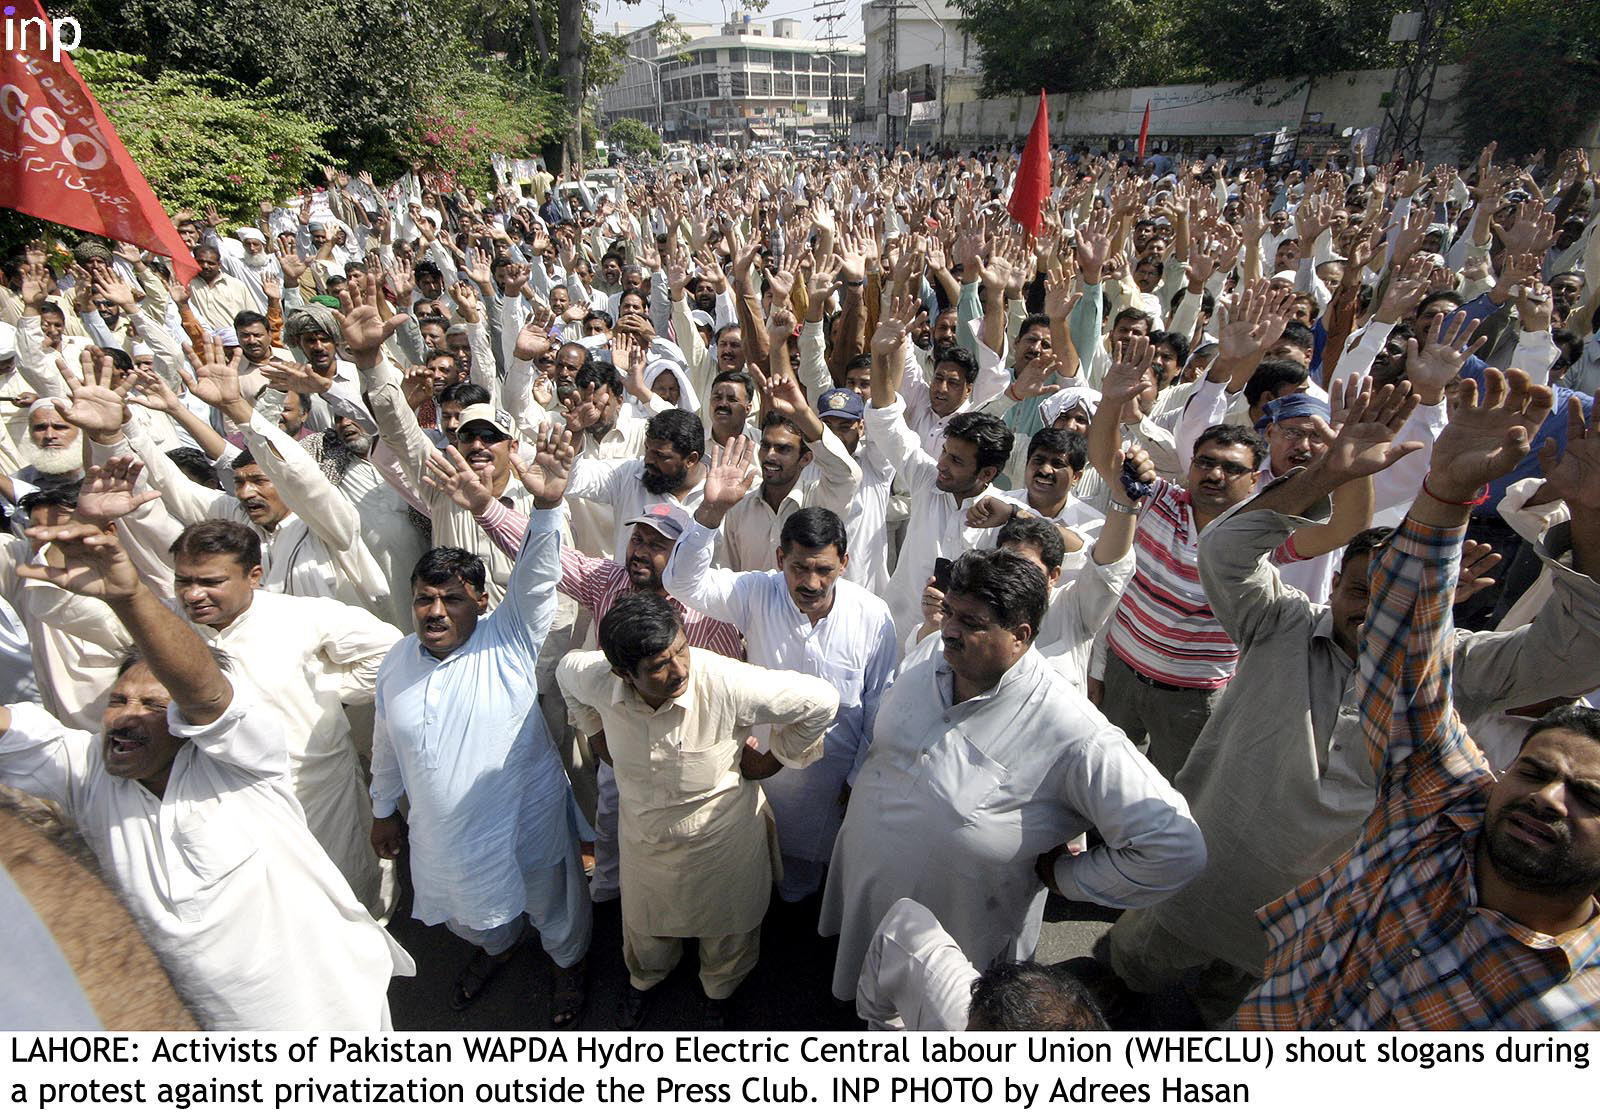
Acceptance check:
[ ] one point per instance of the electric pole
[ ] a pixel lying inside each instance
(829, 13)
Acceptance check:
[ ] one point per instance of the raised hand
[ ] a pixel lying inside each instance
(1031, 379)
(94, 563)
(1130, 374)
(416, 386)
(478, 269)
(1485, 441)
(730, 474)
(36, 286)
(302, 379)
(546, 476)
(1477, 558)
(111, 286)
(1573, 474)
(362, 321)
(108, 491)
(1365, 442)
(1437, 364)
(216, 378)
(449, 473)
(1406, 290)
(1255, 322)
(98, 405)
(466, 296)
(153, 393)
(1093, 248)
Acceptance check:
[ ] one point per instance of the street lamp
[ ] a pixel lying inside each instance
(655, 72)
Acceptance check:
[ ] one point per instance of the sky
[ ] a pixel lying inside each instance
(715, 12)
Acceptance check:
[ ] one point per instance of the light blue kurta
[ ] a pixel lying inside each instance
(463, 739)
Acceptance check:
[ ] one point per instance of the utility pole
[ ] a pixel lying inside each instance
(829, 13)
(891, 63)
(891, 66)
(1406, 111)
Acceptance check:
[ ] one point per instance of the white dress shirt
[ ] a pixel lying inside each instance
(853, 648)
(463, 739)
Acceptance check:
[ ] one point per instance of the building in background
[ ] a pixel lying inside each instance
(750, 83)
(935, 65)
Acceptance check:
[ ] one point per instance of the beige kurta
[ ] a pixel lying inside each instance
(697, 843)
(217, 304)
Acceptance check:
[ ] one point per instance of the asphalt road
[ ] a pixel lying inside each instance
(788, 990)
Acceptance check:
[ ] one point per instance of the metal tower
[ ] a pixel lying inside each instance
(1406, 111)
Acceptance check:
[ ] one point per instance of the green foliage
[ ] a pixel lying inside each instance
(1070, 46)
(204, 141)
(1264, 39)
(636, 137)
(356, 66)
(1533, 76)
(379, 75)
(482, 108)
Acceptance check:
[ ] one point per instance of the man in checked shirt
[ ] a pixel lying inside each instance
(1468, 901)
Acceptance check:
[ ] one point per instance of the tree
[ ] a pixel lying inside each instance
(1068, 46)
(1255, 42)
(635, 136)
(1532, 77)
(203, 141)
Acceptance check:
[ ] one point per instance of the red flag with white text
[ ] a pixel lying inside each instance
(60, 158)
(1032, 186)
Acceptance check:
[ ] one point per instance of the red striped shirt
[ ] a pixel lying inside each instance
(1163, 626)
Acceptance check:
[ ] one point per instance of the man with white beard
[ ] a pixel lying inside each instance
(246, 258)
(51, 453)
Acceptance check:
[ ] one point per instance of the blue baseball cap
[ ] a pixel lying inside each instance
(841, 403)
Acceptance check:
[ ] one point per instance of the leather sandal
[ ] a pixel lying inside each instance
(566, 1002)
(475, 978)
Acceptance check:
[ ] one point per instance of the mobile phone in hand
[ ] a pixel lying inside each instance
(941, 573)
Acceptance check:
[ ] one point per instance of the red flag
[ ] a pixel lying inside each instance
(60, 158)
(1144, 134)
(1033, 176)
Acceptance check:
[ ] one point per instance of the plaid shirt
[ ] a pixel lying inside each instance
(1391, 936)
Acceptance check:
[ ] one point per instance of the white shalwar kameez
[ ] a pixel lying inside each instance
(915, 976)
(956, 802)
(853, 648)
(243, 906)
(307, 657)
(494, 828)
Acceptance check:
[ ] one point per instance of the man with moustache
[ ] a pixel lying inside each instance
(184, 798)
(671, 472)
(493, 827)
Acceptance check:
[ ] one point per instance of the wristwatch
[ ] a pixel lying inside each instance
(1125, 508)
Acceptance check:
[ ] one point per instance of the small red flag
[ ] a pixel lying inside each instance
(1144, 133)
(60, 158)
(1033, 176)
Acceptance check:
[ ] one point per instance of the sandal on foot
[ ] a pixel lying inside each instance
(476, 977)
(566, 1003)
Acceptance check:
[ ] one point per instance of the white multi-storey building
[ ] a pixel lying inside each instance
(742, 85)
